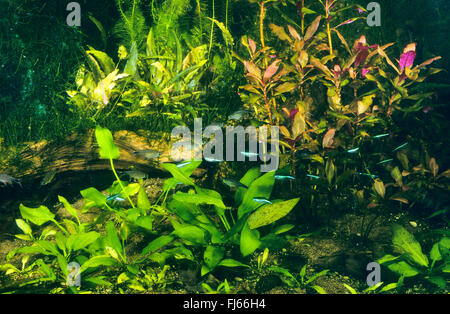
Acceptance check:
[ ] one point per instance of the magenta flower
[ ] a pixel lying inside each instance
(407, 57)
(292, 114)
(365, 71)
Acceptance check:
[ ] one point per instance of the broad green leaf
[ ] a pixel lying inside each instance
(69, 207)
(213, 255)
(438, 281)
(157, 244)
(199, 199)
(439, 248)
(107, 64)
(178, 174)
(80, 241)
(145, 222)
(228, 262)
(407, 244)
(24, 226)
(249, 240)
(108, 149)
(38, 216)
(96, 261)
(403, 269)
(142, 200)
(247, 179)
(192, 234)
(95, 196)
(112, 238)
(259, 188)
(271, 213)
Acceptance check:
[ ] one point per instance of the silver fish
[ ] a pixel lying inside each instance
(238, 115)
(281, 177)
(7, 180)
(148, 154)
(234, 184)
(352, 151)
(48, 178)
(400, 147)
(262, 200)
(249, 154)
(385, 161)
(136, 174)
(313, 176)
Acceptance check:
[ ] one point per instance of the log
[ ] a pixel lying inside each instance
(80, 152)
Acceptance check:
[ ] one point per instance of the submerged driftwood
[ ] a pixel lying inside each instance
(80, 152)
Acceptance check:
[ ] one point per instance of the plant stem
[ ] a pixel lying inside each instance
(120, 182)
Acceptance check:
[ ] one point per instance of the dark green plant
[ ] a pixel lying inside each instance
(304, 282)
(412, 262)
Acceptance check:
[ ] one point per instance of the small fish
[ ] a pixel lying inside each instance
(238, 115)
(400, 147)
(181, 165)
(262, 200)
(368, 175)
(385, 161)
(148, 154)
(381, 135)
(281, 177)
(234, 184)
(48, 178)
(249, 154)
(217, 125)
(213, 159)
(313, 176)
(353, 150)
(136, 174)
(7, 180)
(114, 198)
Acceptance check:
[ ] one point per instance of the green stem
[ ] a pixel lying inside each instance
(120, 182)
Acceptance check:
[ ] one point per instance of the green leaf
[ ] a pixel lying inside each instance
(408, 245)
(38, 216)
(319, 289)
(178, 174)
(157, 244)
(145, 222)
(249, 240)
(259, 188)
(96, 261)
(80, 241)
(112, 238)
(403, 269)
(108, 149)
(247, 179)
(271, 213)
(198, 199)
(438, 281)
(438, 249)
(69, 207)
(192, 234)
(228, 262)
(142, 199)
(213, 255)
(95, 196)
(23, 226)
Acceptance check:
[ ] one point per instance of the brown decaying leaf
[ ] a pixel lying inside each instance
(312, 29)
(328, 138)
(271, 70)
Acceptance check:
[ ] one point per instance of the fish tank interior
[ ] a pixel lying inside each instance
(224, 147)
